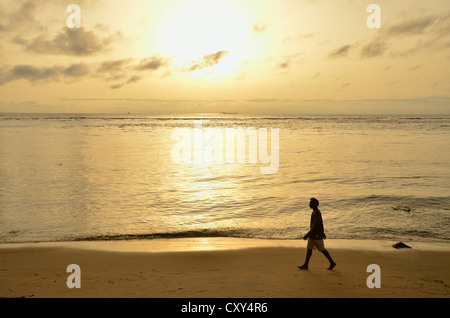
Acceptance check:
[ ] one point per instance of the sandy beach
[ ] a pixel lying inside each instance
(222, 268)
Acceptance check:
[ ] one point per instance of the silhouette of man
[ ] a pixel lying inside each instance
(316, 235)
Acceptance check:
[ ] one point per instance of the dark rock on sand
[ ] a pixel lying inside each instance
(400, 245)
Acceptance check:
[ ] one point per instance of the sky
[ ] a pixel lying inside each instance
(207, 56)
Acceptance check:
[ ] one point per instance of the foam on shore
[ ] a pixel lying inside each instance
(219, 243)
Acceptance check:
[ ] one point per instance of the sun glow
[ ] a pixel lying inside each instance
(199, 35)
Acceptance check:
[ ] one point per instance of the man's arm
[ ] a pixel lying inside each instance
(313, 227)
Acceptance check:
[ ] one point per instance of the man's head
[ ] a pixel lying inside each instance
(313, 203)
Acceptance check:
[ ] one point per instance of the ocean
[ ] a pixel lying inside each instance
(76, 177)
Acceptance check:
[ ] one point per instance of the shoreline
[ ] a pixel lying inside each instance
(221, 243)
(222, 268)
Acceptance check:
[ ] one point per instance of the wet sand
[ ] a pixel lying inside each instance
(223, 268)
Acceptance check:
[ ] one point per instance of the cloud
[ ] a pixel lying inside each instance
(411, 26)
(284, 64)
(17, 16)
(431, 31)
(35, 74)
(152, 63)
(375, 48)
(112, 66)
(112, 70)
(77, 42)
(289, 61)
(340, 52)
(442, 25)
(208, 60)
(133, 79)
(344, 85)
(76, 70)
(116, 86)
(38, 28)
(259, 27)
(22, 18)
(435, 34)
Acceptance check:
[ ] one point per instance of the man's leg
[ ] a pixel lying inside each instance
(308, 256)
(321, 247)
(309, 249)
(328, 256)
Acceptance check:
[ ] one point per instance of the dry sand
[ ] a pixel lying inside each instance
(222, 268)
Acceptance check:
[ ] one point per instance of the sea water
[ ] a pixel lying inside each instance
(66, 177)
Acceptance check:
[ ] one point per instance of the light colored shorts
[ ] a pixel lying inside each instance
(317, 243)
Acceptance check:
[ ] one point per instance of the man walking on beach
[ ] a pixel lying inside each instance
(316, 235)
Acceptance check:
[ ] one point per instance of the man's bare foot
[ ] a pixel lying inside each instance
(303, 267)
(331, 266)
